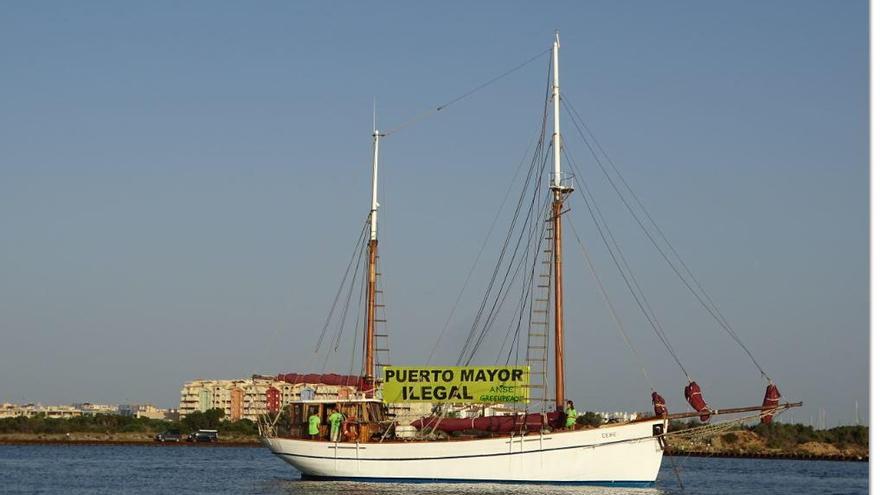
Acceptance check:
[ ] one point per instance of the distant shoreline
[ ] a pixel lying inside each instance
(142, 443)
(767, 455)
(251, 443)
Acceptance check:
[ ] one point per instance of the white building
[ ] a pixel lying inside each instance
(90, 409)
(147, 411)
(31, 410)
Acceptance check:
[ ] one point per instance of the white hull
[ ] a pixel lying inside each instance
(627, 454)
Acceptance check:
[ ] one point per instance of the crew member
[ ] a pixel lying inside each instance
(571, 415)
(335, 420)
(314, 423)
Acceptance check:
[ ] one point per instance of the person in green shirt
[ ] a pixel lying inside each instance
(335, 420)
(571, 415)
(314, 423)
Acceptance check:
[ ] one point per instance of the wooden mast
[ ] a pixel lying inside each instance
(372, 246)
(559, 191)
(559, 333)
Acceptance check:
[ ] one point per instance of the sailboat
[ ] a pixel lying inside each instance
(520, 447)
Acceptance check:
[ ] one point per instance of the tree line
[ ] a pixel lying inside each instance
(212, 419)
(776, 435)
(783, 436)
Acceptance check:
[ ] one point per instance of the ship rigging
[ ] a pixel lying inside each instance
(529, 444)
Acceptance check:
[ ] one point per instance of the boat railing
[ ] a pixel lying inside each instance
(566, 181)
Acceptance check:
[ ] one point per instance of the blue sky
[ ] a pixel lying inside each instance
(181, 184)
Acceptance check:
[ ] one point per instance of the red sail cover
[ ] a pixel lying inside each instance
(322, 379)
(659, 404)
(771, 401)
(496, 424)
(695, 398)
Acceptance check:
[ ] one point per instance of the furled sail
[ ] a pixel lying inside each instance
(771, 402)
(495, 424)
(659, 404)
(694, 396)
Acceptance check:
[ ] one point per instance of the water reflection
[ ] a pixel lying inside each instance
(300, 487)
(140, 470)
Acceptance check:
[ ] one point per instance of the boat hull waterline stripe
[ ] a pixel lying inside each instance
(618, 484)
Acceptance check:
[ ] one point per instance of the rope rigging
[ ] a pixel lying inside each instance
(480, 252)
(534, 178)
(359, 327)
(710, 430)
(358, 244)
(350, 281)
(348, 278)
(428, 113)
(622, 265)
(618, 323)
(345, 307)
(344, 314)
(476, 337)
(341, 306)
(691, 283)
(528, 283)
(520, 266)
(535, 235)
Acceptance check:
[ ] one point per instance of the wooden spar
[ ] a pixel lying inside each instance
(735, 410)
(559, 334)
(558, 198)
(372, 245)
(370, 332)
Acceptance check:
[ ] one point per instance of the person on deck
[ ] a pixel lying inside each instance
(335, 420)
(571, 415)
(314, 424)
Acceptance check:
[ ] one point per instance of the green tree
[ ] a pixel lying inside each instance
(590, 419)
(208, 420)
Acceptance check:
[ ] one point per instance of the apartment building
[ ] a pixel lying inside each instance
(147, 411)
(91, 409)
(249, 398)
(30, 410)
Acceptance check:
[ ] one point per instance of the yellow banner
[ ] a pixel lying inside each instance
(456, 384)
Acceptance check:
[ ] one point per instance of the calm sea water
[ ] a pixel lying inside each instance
(137, 470)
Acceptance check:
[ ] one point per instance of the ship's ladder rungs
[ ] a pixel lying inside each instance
(539, 325)
(381, 334)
